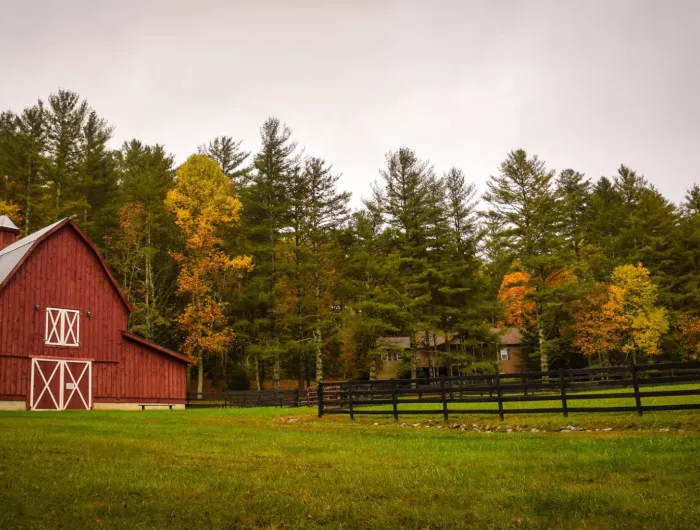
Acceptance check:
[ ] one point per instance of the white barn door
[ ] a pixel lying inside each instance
(58, 384)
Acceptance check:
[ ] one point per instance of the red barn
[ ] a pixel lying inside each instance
(63, 338)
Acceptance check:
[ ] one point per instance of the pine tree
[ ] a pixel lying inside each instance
(23, 163)
(326, 213)
(227, 152)
(573, 191)
(370, 294)
(66, 116)
(403, 202)
(522, 198)
(100, 177)
(265, 217)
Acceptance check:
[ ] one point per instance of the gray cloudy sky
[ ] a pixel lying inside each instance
(586, 84)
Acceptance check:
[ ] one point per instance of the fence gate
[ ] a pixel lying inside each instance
(58, 384)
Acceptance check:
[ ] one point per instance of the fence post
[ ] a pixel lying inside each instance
(444, 398)
(500, 396)
(562, 387)
(319, 398)
(394, 400)
(352, 411)
(225, 400)
(637, 396)
(296, 398)
(187, 400)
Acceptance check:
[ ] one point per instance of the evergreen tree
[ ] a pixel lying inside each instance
(403, 202)
(265, 217)
(463, 288)
(139, 250)
(227, 152)
(523, 199)
(65, 118)
(100, 177)
(326, 213)
(573, 191)
(23, 163)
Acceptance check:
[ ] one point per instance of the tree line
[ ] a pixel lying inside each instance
(254, 264)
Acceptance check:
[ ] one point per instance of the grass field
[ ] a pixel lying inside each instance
(284, 468)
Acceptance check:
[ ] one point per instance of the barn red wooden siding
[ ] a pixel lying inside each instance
(64, 272)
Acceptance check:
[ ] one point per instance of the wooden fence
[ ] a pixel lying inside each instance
(246, 398)
(559, 386)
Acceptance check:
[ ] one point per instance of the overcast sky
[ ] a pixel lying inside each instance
(585, 84)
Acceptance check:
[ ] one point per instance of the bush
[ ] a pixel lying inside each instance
(482, 368)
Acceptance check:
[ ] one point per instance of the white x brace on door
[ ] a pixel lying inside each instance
(60, 384)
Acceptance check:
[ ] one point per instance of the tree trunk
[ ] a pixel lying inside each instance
(302, 371)
(200, 377)
(319, 356)
(276, 373)
(257, 373)
(372, 368)
(414, 359)
(544, 360)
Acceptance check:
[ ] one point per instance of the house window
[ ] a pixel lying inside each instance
(62, 327)
(505, 354)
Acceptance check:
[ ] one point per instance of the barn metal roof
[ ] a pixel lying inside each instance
(12, 254)
(156, 347)
(6, 222)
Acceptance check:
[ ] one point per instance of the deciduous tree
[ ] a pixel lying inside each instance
(201, 202)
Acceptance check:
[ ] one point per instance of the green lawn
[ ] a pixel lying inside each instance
(254, 468)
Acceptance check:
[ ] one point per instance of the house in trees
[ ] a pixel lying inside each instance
(510, 353)
(63, 322)
(432, 354)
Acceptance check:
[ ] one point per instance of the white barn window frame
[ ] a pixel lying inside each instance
(62, 327)
(504, 354)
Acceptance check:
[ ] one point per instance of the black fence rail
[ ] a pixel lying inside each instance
(246, 398)
(557, 386)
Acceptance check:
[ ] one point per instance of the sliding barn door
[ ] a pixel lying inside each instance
(58, 384)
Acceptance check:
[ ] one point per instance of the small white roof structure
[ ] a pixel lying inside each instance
(12, 254)
(6, 222)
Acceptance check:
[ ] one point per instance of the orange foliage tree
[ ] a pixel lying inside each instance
(688, 333)
(621, 316)
(202, 201)
(515, 294)
(598, 324)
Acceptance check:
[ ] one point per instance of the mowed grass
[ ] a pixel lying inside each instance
(285, 468)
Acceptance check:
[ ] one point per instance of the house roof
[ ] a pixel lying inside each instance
(508, 336)
(13, 256)
(7, 224)
(156, 347)
(397, 342)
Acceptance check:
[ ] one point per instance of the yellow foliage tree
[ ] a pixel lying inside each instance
(633, 294)
(202, 201)
(621, 316)
(11, 210)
